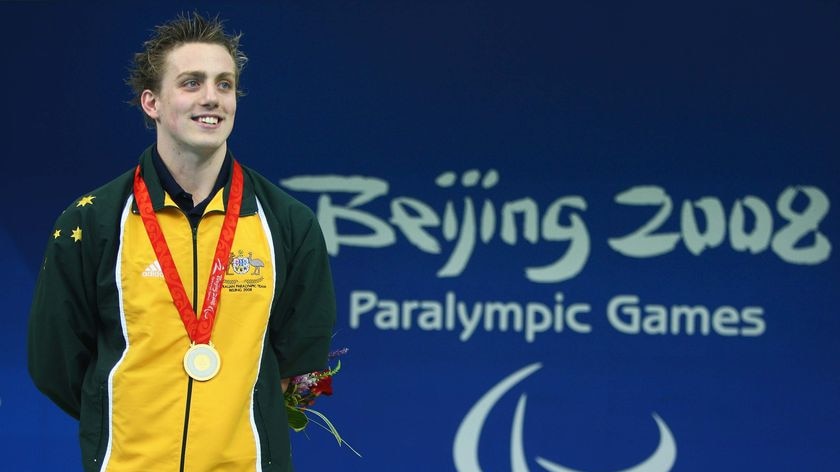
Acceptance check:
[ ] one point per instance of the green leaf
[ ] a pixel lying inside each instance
(297, 419)
(331, 428)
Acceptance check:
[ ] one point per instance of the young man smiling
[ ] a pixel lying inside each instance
(149, 323)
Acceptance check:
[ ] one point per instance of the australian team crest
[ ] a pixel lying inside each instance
(240, 264)
(245, 272)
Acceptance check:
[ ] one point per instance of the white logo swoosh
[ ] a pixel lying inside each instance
(465, 448)
(660, 461)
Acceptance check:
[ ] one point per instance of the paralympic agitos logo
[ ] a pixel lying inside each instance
(466, 445)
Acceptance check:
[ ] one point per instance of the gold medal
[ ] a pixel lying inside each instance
(202, 362)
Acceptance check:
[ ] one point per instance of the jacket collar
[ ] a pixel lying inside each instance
(161, 200)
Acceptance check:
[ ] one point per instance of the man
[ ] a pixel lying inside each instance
(174, 299)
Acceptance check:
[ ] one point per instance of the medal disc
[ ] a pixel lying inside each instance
(202, 362)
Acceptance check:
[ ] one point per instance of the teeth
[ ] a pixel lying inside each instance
(210, 120)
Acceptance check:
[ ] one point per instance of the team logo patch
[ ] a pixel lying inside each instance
(244, 271)
(239, 265)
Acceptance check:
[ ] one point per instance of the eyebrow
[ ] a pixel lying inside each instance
(203, 75)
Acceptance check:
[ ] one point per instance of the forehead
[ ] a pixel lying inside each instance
(210, 59)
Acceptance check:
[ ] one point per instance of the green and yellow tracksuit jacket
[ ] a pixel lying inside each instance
(106, 343)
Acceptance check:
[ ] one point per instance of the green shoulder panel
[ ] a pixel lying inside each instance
(65, 309)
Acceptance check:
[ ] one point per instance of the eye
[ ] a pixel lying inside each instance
(225, 85)
(191, 83)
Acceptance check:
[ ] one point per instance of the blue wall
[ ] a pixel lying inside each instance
(566, 235)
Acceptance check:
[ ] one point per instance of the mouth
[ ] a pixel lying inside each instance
(209, 120)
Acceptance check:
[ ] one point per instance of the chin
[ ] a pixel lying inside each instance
(209, 145)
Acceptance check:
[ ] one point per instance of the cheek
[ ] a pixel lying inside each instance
(175, 112)
(171, 121)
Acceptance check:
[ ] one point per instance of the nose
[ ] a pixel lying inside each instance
(210, 97)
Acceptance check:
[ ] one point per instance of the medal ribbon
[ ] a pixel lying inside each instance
(198, 328)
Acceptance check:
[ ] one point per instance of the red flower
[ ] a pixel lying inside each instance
(322, 387)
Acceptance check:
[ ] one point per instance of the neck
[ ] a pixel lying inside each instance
(195, 173)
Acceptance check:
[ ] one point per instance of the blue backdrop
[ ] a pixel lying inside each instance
(588, 236)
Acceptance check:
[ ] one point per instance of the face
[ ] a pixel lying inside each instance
(196, 103)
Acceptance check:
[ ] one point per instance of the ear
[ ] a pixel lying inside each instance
(149, 103)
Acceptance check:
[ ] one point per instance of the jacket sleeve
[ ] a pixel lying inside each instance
(62, 327)
(302, 323)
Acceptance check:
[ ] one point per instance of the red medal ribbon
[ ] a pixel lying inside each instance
(198, 328)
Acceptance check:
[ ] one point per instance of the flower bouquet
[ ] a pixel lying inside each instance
(301, 395)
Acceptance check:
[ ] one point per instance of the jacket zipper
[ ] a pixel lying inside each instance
(190, 379)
